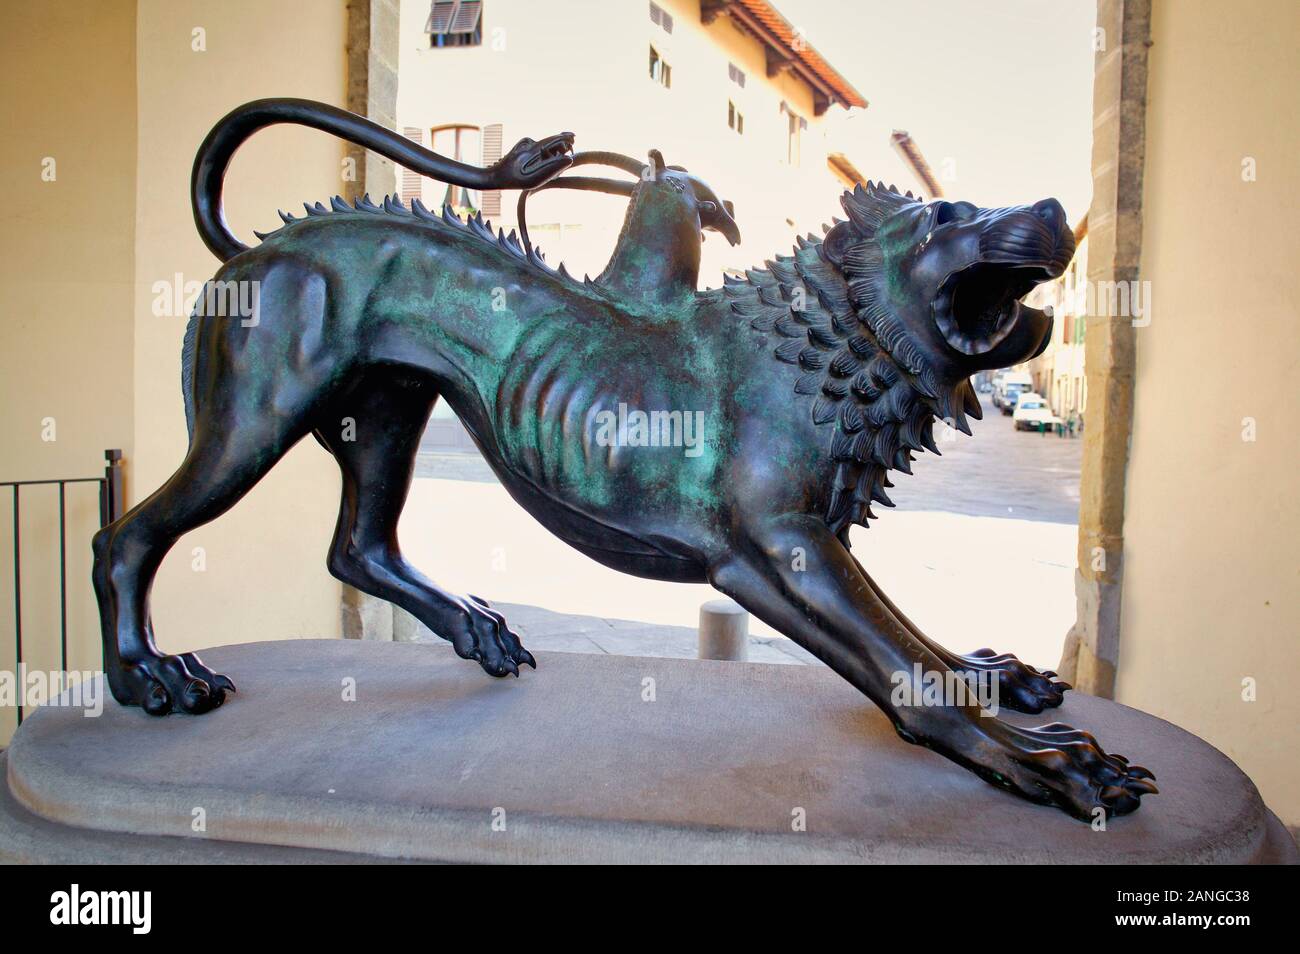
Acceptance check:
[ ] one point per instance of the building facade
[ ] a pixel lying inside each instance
(1058, 372)
(730, 90)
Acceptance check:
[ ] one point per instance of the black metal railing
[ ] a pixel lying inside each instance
(110, 508)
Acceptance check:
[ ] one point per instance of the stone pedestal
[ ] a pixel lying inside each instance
(363, 751)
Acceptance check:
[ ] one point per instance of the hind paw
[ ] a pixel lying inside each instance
(483, 635)
(161, 684)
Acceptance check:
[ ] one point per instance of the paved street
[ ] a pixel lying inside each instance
(999, 472)
(979, 552)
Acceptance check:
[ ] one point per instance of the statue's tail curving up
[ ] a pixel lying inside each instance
(240, 124)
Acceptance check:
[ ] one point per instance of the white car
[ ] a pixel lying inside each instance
(1032, 412)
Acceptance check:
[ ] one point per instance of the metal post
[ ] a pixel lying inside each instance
(114, 488)
(63, 577)
(18, 604)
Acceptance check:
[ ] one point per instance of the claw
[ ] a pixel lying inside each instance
(1048, 673)
(1062, 686)
(1141, 785)
(223, 682)
(1137, 771)
(526, 657)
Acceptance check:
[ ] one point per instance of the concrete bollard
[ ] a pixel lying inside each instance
(724, 631)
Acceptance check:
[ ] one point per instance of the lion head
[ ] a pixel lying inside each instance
(940, 283)
(888, 316)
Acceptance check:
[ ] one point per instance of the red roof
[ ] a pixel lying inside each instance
(763, 19)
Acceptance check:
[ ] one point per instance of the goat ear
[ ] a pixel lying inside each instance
(730, 207)
(838, 241)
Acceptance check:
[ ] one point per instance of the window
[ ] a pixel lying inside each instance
(796, 124)
(660, 71)
(660, 18)
(455, 23)
(464, 144)
(735, 119)
(736, 74)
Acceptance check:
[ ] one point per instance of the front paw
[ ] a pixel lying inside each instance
(1067, 767)
(1020, 687)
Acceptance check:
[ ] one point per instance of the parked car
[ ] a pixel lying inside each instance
(1008, 386)
(1032, 412)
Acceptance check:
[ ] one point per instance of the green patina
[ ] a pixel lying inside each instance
(531, 356)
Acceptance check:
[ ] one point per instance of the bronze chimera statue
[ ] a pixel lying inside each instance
(813, 379)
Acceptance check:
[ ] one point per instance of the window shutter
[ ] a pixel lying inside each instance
(440, 17)
(492, 139)
(449, 17)
(466, 17)
(660, 17)
(412, 184)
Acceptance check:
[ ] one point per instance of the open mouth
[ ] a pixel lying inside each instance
(977, 306)
(554, 151)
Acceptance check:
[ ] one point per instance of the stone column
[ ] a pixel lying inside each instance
(1114, 247)
(372, 88)
(371, 92)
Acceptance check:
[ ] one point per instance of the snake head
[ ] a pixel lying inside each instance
(530, 164)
